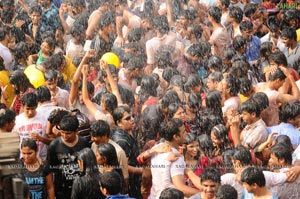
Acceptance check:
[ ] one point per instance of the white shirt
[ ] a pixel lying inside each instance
(6, 56)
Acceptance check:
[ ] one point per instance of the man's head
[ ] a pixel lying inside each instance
(161, 24)
(110, 183)
(35, 13)
(100, 132)
(123, 118)
(171, 193)
(246, 28)
(239, 44)
(134, 66)
(277, 78)
(241, 157)
(7, 119)
(173, 130)
(68, 127)
(210, 181)
(29, 103)
(213, 80)
(45, 3)
(273, 23)
(250, 111)
(51, 79)
(43, 94)
(5, 33)
(289, 36)
(230, 86)
(253, 179)
(281, 155)
(235, 14)
(226, 191)
(214, 14)
(290, 113)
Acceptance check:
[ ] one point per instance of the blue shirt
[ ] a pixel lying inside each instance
(247, 195)
(252, 52)
(50, 18)
(119, 196)
(287, 129)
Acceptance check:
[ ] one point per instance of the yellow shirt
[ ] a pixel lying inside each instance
(35, 76)
(69, 70)
(9, 92)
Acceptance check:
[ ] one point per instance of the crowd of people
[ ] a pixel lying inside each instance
(158, 99)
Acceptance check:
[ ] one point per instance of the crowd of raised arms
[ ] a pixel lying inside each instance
(153, 99)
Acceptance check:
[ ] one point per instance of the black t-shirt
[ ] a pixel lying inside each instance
(63, 162)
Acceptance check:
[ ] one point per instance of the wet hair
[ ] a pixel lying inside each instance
(250, 106)
(221, 133)
(4, 30)
(210, 174)
(197, 30)
(289, 111)
(192, 81)
(242, 154)
(50, 75)
(238, 42)
(273, 23)
(110, 101)
(277, 74)
(90, 87)
(171, 193)
(253, 175)
(112, 182)
(233, 85)
(30, 143)
(289, 33)
(194, 101)
(56, 115)
(225, 3)
(50, 41)
(77, 30)
(245, 86)
(250, 9)
(169, 128)
(89, 161)
(282, 151)
(163, 59)
(236, 13)
(19, 80)
(173, 108)
(152, 117)
(135, 63)
(227, 162)
(194, 50)
(261, 100)
(239, 69)
(108, 151)
(246, 26)
(20, 51)
(43, 94)
(35, 8)
(2, 66)
(205, 144)
(289, 15)
(126, 95)
(215, 76)
(54, 62)
(228, 53)
(134, 35)
(285, 140)
(69, 123)
(161, 24)
(213, 102)
(215, 63)
(265, 48)
(147, 88)
(119, 112)
(100, 128)
(226, 191)
(190, 138)
(168, 73)
(168, 98)
(6, 116)
(216, 13)
(106, 19)
(30, 100)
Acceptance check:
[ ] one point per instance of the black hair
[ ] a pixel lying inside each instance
(112, 182)
(119, 112)
(245, 86)
(126, 95)
(88, 158)
(106, 19)
(225, 3)
(163, 59)
(277, 74)
(242, 154)
(273, 23)
(226, 191)
(69, 123)
(282, 151)
(173, 108)
(171, 193)
(246, 26)
(250, 9)
(35, 8)
(50, 41)
(30, 100)
(161, 24)
(265, 49)
(168, 73)
(216, 13)
(192, 81)
(285, 140)
(110, 101)
(228, 53)
(134, 35)
(197, 30)
(30, 143)
(221, 133)
(100, 128)
(289, 111)
(4, 31)
(20, 81)
(77, 29)
(169, 128)
(56, 115)
(194, 50)
(233, 85)
(20, 51)
(253, 175)
(194, 101)
(135, 63)
(238, 42)
(236, 13)
(215, 63)
(6, 116)
(43, 94)
(168, 98)
(90, 87)
(50, 75)
(147, 88)
(211, 174)
(261, 99)
(54, 61)
(250, 106)
(213, 102)
(205, 144)
(289, 33)
(108, 152)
